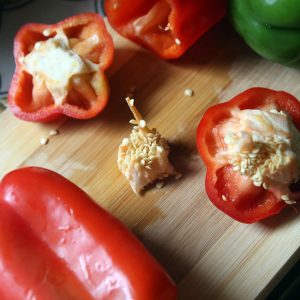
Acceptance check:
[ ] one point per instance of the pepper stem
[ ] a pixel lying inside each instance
(133, 109)
(139, 119)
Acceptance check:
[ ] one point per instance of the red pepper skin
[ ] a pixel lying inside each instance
(20, 96)
(188, 19)
(251, 203)
(56, 243)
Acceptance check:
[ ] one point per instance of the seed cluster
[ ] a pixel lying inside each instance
(267, 157)
(141, 147)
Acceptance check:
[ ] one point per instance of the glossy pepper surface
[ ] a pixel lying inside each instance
(271, 28)
(60, 69)
(168, 27)
(228, 190)
(55, 243)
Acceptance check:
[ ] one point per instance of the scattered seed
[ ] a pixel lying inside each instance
(167, 28)
(224, 198)
(132, 121)
(125, 141)
(177, 41)
(46, 32)
(37, 46)
(53, 132)
(285, 197)
(257, 183)
(44, 141)
(188, 92)
(290, 202)
(159, 149)
(131, 102)
(142, 123)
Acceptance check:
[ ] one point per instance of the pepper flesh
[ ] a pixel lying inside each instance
(55, 243)
(271, 28)
(31, 98)
(168, 27)
(231, 192)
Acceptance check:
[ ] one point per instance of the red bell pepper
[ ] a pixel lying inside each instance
(168, 27)
(36, 93)
(55, 243)
(230, 191)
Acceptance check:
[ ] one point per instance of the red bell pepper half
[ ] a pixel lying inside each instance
(168, 27)
(55, 243)
(60, 69)
(228, 190)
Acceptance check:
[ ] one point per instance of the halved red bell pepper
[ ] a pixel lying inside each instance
(168, 27)
(68, 81)
(55, 243)
(228, 190)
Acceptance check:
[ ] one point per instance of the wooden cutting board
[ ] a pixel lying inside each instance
(209, 255)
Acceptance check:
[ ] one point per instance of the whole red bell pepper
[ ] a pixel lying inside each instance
(231, 190)
(168, 27)
(60, 69)
(55, 243)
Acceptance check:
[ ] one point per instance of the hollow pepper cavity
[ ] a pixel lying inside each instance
(168, 27)
(250, 146)
(60, 69)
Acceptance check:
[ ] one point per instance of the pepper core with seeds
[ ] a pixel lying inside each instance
(143, 157)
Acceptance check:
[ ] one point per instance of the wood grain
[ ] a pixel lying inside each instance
(208, 254)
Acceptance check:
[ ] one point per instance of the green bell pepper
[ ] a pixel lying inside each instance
(269, 27)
